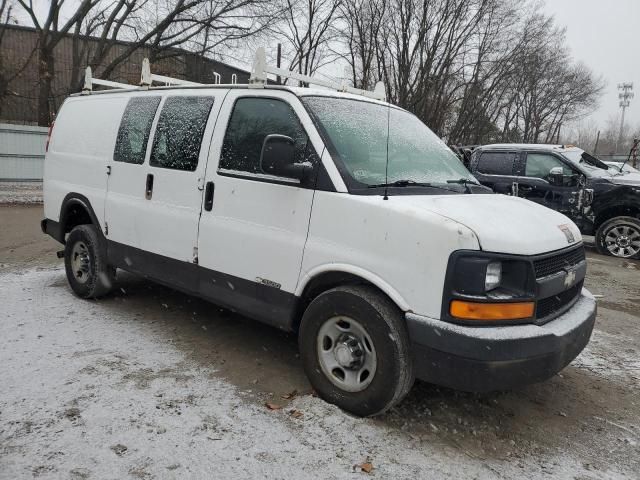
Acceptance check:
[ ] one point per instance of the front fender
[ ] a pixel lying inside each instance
(370, 277)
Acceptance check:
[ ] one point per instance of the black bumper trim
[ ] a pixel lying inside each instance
(53, 229)
(483, 359)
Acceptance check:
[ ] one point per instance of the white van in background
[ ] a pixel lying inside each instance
(334, 215)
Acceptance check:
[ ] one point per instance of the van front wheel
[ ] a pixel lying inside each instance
(85, 263)
(355, 350)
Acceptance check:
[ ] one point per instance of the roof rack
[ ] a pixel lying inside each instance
(260, 70)
(258, 79)
(89, 82)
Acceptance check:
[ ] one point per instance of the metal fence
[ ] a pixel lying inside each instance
(22, 152)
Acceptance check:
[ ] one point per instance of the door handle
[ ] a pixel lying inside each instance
(148, 193)
(208, 196)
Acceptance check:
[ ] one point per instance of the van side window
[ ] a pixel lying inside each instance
(135, 126)
(178, 136)
(496, 163)
(251, 121)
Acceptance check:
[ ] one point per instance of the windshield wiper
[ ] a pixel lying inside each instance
(466, 182)
(411, 183)
(463, 181)
(401, 183)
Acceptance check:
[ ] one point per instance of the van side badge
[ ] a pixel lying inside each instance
(269, 283)
(567, 233)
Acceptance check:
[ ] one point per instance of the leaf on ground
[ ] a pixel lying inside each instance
(272, 406)
(295, 413)
(290, 395)
(365, 467)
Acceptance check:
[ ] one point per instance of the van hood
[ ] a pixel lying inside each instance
(501, 223)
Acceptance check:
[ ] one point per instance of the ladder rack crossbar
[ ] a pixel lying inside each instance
(299, 76)
(89, 82)
(172, 81)
(109, 83)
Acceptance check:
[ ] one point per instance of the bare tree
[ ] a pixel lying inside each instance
(97, 29)
(51, 30)
(6, 74)
(548, 89)
(307, 30)
(473, 70)
(362, 22)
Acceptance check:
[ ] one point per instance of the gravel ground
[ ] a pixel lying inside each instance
(150, 383)
(15, 193)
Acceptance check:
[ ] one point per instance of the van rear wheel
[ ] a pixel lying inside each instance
(356, 351)
(620, 237)
(85, 263)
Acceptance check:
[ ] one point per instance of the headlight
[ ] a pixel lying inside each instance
(488, 286)
(493, 276)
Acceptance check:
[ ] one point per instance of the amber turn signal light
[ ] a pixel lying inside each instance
(491, 311)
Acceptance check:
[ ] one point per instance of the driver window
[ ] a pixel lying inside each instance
(251, 121)
(539, 165)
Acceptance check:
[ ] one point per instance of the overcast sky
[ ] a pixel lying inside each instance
(605, 35)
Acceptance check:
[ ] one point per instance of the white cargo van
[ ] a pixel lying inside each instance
(333, 215)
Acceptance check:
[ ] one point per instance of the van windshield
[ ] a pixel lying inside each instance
(357, 131)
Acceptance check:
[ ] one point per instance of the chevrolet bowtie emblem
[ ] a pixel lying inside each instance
(570, 278)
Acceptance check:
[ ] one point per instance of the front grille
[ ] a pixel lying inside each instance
(550, 305)
(557, 263)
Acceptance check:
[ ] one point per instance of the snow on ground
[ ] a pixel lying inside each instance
(89, 392)
(20, 192)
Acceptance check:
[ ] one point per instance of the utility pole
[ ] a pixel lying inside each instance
(625, 96)
(278, 59)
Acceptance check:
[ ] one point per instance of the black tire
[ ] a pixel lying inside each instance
(615, 227)
(384, 324)
(85, 262)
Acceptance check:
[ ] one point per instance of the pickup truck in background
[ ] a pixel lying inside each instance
(602, 201)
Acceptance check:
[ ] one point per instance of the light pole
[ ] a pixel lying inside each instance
(625, 96)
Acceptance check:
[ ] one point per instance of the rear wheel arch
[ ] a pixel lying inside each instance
(76, 210)
(616, 211)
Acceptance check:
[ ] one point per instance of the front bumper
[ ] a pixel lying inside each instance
(482, 359)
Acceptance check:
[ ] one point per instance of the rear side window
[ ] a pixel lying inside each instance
(251, 121)
(496, 163)
(135, 126)
(178, 136)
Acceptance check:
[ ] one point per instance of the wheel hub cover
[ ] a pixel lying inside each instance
(348, 353)
(623, 241)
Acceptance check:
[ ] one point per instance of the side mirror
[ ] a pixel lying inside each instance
(556, 176)
(277, 158)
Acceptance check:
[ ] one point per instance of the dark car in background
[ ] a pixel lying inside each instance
(602, 201)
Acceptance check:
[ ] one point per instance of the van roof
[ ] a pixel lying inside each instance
(298, 91)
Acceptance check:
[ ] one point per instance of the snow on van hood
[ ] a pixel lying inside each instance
(502, 224)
